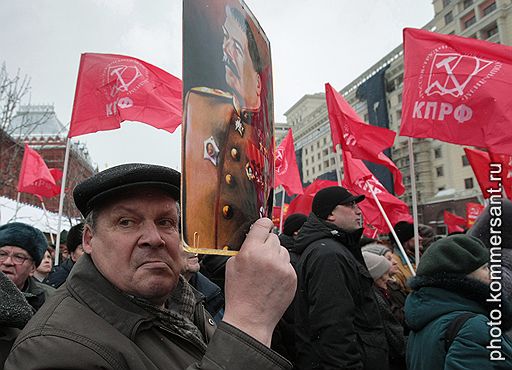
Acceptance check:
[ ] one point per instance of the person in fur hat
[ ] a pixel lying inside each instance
(453, 279)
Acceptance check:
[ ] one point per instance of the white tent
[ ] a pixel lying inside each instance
(31, 215)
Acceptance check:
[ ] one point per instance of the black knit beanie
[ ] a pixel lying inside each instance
(328, 198)
(17, 234)
(456, 254)
(293, 223)
(404, 231)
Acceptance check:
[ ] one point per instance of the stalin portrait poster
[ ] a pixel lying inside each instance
(228, 125)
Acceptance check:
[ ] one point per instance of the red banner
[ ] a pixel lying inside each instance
(359, 180)
(114, 88)
(303, 203)
(364, 141)
(286, 170)
(453, 222)
(473, 210)
(457, 90)
(506, 171)
(35, 177)
(481, 164)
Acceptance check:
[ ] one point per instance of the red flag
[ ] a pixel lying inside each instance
(453, 222)
(362, 140)
(114, 88)
(506, 171)
(457, 90)
(358, 179)
(303, 203)
(481, 164)
(276, 215)
(35, 177)
(56, 173)
(473, 210)
(287, 172)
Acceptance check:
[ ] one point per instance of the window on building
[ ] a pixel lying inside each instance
(365, 117)
(313, 170)
(446, 3)
(326, 163)
(325, 152)
(439, 171)
(307, 161)
(319, 167)
(493, 30)
(438, 153)
(317, 145)
(465, 161)
(441, 188)
(468, 183)
(467, 3)
(400, 98)
(325, 140)
(307, 172)
(448, 17)
(333, 161)
(489, 9)
(305, 150)
(318, 156)
(469, 21)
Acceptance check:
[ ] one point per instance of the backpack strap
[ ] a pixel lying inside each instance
(454, 327)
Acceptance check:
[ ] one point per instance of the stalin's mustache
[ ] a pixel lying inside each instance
(229, 63)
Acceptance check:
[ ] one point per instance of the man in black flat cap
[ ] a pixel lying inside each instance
(337, 319)
(135, 310)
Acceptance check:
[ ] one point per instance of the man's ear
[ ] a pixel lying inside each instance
(86, 239)
(331, 218)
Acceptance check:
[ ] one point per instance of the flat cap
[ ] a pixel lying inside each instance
(108, 183)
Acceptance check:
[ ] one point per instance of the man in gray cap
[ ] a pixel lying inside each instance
(337, 319)
(136, 311)
(21, 250)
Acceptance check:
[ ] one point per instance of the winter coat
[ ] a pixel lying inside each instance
(213, 297)
(37, 293)
(14, 314)
(430, 309)
(61, 273)
(338, 325)
(90, 324)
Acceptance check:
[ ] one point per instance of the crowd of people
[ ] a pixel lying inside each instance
(127, 295)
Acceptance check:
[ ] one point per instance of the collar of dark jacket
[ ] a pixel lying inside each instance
(315, 228)
(466, 287)
(88, 286)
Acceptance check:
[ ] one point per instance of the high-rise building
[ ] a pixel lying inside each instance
(444, 178)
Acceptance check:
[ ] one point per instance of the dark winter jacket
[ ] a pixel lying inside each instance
(213, 297)
(89, 324)
(61, 273)
(337, 320)
(289, 243)
(430, 309)
(37, 293)
(14, 314)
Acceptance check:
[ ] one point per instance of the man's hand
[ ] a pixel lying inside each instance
(260, 283)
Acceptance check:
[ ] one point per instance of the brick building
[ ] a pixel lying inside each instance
(39, 127)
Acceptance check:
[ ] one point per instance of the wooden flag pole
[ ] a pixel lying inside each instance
(47, 222)
(414, 202)
(61, 200)
(402, 251)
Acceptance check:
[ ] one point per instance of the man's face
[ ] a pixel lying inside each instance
(409, 246)
(240, 73)
(347, 217)
(135, 244)
(46, 264)
(13, 269)
(483, 274)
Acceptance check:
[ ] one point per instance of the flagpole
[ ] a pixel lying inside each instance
(391, 228)
(414, 202)
(338, 163)
(61, 200)
(48, 222)
(282, 210)
(17, 207)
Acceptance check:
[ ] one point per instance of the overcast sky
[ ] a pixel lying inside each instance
(312, 41)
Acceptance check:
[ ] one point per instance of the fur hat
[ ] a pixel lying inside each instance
(327, 199)
(482, 225)
(456, 254)
(17, 234)
(293, 223)
(377, 265)
(404, 231)
(376, 248)
(109, 182)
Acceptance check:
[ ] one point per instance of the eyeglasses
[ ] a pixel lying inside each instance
(17, 259)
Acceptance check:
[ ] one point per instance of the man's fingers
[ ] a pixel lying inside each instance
(260, 230)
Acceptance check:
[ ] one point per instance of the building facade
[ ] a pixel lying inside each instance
(444, 178)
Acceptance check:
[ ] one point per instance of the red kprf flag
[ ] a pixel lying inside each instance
(362, 140)
(286, 170)
(358, 179)
(481, 164)
(453, 222)
(457, 90)
(35, 177)
(114, 88)
(473, 210)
